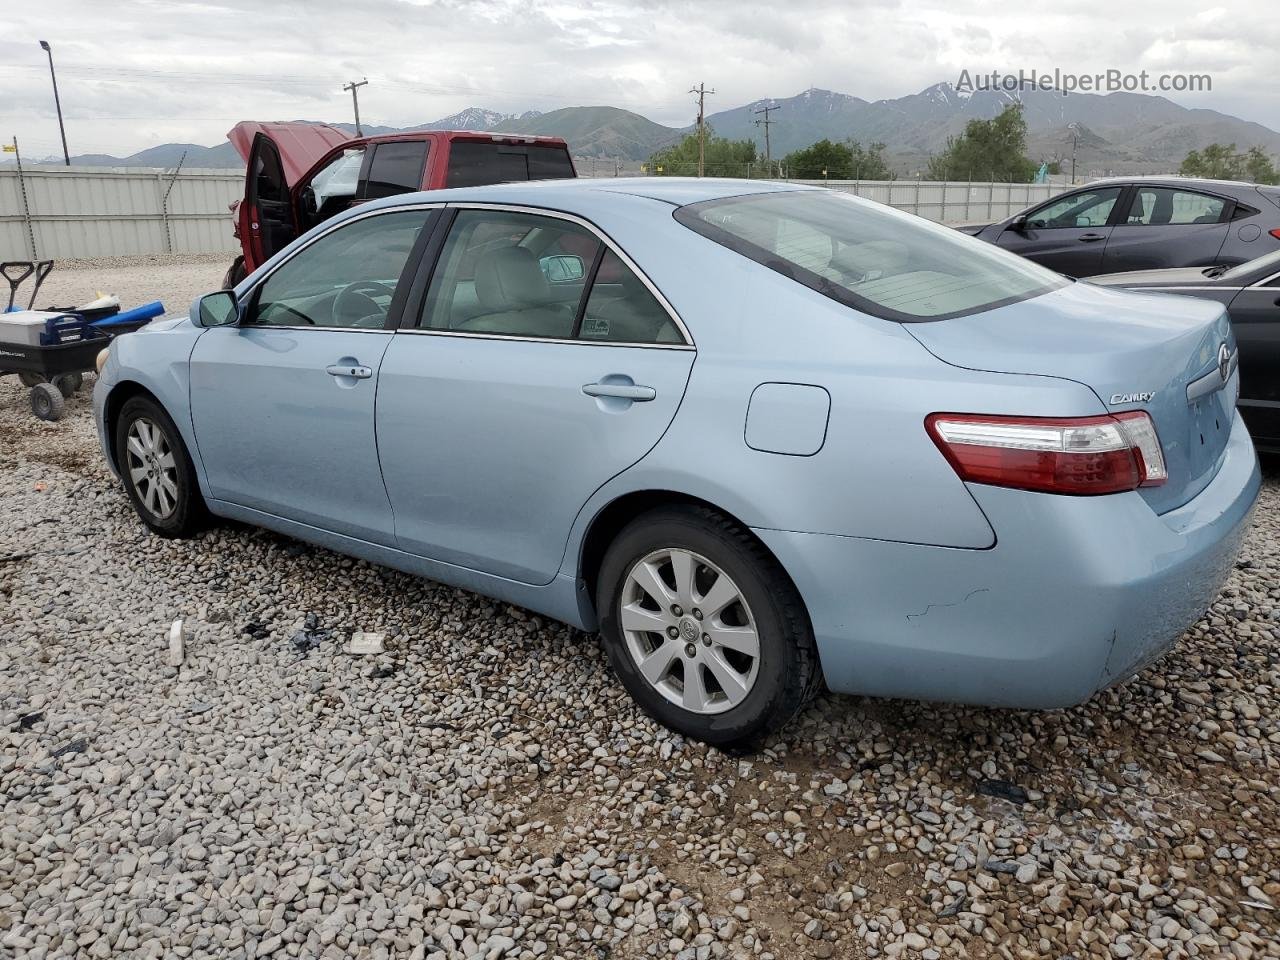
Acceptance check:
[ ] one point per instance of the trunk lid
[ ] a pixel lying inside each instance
(1122, 345)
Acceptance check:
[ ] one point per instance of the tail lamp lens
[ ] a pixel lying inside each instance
(1081, 456)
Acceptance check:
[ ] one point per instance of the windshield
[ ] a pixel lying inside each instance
(869, 256)
(1264, 266)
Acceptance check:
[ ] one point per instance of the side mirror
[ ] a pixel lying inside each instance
(218, 309)
(563, 268)
(1018, 223)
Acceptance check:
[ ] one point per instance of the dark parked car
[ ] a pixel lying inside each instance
(1251, 292)
(1143, 223)
(301, 174)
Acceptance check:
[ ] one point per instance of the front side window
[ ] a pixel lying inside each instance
(524, 275)
(1091, 208)
(346, 278)
(869, 256)
(1156, 206)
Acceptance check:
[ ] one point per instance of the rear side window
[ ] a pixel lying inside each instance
(1157, 206)
(621, 309)
(396, 168)
(868, 256)
(476, 163)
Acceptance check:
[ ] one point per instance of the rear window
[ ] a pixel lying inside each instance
(475, 163)
(868, 256)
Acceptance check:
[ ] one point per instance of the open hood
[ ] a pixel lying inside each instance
(301, 144)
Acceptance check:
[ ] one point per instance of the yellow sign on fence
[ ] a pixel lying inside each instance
(10, 148)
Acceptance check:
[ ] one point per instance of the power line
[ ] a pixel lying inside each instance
(702, 91)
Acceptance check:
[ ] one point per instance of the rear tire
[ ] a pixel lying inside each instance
(728, 674)
(30, 379)
(68, 383)
(159, 476)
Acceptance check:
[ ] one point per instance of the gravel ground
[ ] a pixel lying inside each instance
(486, 789)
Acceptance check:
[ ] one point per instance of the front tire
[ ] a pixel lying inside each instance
(157, 470)
(704, 628)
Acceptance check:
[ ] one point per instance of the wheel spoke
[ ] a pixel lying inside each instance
(722, 593)
(166, 461)
(645, 575)
(731, 682)
(151, 496)
(635, 617)
(135, 446)
(168, 487)
(740, 639)
(146, 435)
(695, 691)
(682, 566)
(137, 474)
(656, 665)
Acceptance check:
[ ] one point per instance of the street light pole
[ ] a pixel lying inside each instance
(66, 157)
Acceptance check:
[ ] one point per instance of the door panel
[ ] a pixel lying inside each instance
(1167, 227)
(277, 432)
(490, 446)
(1069, 233)
(1255, 317)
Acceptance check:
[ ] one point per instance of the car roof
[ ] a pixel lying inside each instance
(1176, 181)
(676, 191)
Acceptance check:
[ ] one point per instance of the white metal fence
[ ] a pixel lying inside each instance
(75, 212)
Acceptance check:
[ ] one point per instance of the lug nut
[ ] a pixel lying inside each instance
(676, 611)
(672, 632)
(706, 640)
(690, 650)
(697, 614)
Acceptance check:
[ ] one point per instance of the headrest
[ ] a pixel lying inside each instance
(510, 279)
(874, 259)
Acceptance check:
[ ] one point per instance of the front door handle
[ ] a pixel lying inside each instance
(1091, 237)
(623, 391)
(354, 371)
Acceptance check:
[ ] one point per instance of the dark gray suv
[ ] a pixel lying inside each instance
(1143, 223)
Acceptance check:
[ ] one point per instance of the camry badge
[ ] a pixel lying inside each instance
(1131, 397)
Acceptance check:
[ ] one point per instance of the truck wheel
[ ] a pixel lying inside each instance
(47, 402)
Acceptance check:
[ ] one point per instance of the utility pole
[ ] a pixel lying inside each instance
(1075, 138)
(768, 156)
(702, 91)
(66, 157)
(355, 102)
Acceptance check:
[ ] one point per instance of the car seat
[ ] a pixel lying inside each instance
(516, 298)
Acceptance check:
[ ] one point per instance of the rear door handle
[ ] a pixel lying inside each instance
(347, 370)
(623, 391)
(1091, 237)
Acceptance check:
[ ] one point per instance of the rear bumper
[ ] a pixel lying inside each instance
(1078, 593)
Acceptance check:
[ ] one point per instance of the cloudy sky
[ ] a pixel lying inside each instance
(134, 73)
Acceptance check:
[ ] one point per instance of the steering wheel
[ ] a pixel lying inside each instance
(355, 302)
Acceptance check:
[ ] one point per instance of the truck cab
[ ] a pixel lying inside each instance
(301, 174)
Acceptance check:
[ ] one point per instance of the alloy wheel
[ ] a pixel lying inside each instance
(689, 630)
(152, 467)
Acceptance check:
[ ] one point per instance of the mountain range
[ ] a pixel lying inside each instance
(1117, 133)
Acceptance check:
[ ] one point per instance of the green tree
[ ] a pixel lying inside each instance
(988, 149)
(1260, 168)
(1220, 161)
(1217, 161)
(838, 161)
(722, 158)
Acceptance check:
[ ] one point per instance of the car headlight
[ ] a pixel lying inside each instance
(101, 360)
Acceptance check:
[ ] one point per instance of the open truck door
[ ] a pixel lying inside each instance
(277, 157)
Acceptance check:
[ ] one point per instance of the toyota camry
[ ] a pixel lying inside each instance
(758, 436)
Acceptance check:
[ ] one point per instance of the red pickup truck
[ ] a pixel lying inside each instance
(300, 174)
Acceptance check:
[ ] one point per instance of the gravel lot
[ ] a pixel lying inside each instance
(485, 788)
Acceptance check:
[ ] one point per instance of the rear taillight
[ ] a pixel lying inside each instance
(1072, 455)
(1276, 233)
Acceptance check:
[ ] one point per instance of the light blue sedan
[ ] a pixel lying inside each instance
(757, 435)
